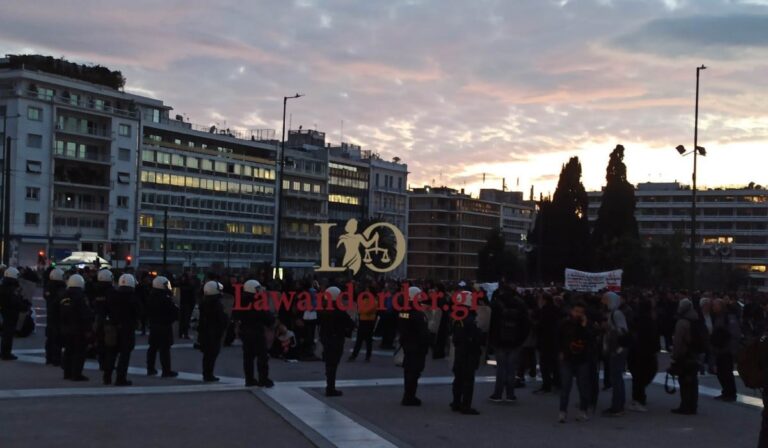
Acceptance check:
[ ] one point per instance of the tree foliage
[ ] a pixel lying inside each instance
(560, 236)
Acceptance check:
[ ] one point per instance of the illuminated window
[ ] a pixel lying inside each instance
(758, 268)
(146, 221)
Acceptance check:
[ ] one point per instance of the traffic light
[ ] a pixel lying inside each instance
(41, 257)
(128, 260)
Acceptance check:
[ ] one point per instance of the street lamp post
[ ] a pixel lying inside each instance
(281, 171)
(6, 189)
(696, 151)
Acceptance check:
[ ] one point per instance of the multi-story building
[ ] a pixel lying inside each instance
(348, 184)
(446, 230)
(731, 223)
(517, 215)
(73, 159)
(215, 186)
(304, 202)
(388, 200)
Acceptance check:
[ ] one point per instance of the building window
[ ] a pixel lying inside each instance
(123, 178)
(33, 193)
(124, 154)
(147, 221)
(124, 130)
(34, 113)
(122, 201)
(192, 162)
(34, 167)
(121, 226)
(31, 219)
(34, 141)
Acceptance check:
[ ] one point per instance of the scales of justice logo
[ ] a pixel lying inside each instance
(363, 248)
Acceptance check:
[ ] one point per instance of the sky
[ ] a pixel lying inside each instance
(509, 88)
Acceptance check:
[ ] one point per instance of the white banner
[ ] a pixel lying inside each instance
(593, 281)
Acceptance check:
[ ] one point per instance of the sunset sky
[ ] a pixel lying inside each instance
(454, 88)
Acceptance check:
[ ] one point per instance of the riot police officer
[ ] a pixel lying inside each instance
(76, 320)
(414, 340)
(253, 323)
(122, 312)
(161, 314)
(468, 342)
(11, 304)
(213, 324)
(335, 326)
(101, 290)
(53, 292)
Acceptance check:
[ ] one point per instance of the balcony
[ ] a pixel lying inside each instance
(81, 103)
(87, 207)
(89, 131)
(87, 156)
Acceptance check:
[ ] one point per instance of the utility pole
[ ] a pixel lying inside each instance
(280, 177)
(693, 191)
(6, 198)
(165, 240)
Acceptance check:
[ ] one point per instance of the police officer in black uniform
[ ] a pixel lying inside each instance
(54, 289)
(253, 323)
(123, 312)
(335, 326)
(414, 340)
(468, 341)
(102, 289)
(213, 324)
(76, 323)
(161, 314)
(11, 304)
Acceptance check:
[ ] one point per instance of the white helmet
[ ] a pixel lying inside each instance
(333, 292)
(463, 298)
(161, 282)
(414, 292)
(56, 275)
(11, 273)
(212, 288)
(104, 275)
(251, 286)
(3, 266)
(127, 280)
(76, 281)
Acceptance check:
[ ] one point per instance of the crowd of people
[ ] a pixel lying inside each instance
(565, 337)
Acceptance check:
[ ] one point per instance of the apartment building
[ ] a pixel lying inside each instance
(74, 148)
(731, 223)
(446, 230)
(208, 192)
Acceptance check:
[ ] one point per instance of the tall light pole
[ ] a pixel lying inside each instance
(281, 170)
(6, 189)
(696, 151)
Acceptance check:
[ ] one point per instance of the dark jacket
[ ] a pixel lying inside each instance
(123, 309)
(11, 300)
(54, 291)
(577, 343)
(335, 326)
(549, 317)
(510, 323)
(213, 319)
(468, 341)
(75, 316)
(252, 319)
(160, 308)
(414, 331)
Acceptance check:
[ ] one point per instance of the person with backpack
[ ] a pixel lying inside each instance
(509, 329)
(688, 343)
(725, 333)
(615, 345)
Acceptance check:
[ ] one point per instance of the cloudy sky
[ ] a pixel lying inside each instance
(456, 88)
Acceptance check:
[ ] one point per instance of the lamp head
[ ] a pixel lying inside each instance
(680, 149)
(702, 151)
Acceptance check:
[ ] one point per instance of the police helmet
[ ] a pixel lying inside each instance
(11, 273)
(127, 280)
(212, 288)
(104, 275)
(414, 292)
(333, 292)
(161, 282)
(251, 286)
(56, 275)
(76, 281)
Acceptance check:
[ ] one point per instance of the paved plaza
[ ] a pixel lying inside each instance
(38, 408)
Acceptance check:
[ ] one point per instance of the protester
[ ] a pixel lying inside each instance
(576, 343)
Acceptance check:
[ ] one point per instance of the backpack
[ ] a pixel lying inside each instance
(750, 362)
